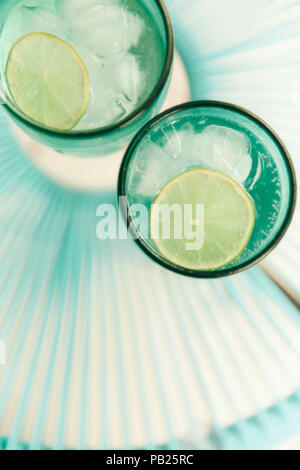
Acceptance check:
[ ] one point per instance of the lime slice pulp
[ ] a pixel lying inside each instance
(47, 80)
(208, 238)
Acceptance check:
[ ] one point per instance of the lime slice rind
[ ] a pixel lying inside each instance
(48, 81)
(232, 221)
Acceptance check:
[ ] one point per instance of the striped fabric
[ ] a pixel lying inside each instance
(104, 349)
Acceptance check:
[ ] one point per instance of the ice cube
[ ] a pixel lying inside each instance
(148, 171)
(105, 28)
(224, 149)
(31, 18)
(73, 10)
(152, 169)
(129, 78)
(115, 88)
(178, 143)
(126, 80)
(104, 106)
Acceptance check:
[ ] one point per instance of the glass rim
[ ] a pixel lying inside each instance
(156, 256)
(131, 118)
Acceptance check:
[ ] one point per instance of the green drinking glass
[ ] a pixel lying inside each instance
(127, 51)
(224, 157)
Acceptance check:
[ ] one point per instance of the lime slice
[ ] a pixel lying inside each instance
(217, 220)
(48, 81)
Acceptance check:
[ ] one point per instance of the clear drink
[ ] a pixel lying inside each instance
(117, 40)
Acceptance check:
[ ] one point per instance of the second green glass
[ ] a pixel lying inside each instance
(128, 56)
